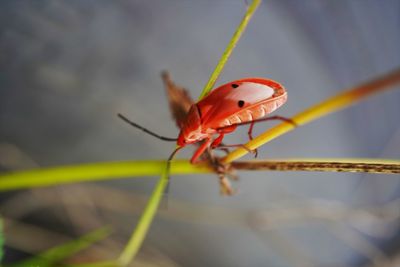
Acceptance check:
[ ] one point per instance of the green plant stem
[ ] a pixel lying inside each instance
(138, 169)
(136, 240)
(91, 172)
(138, 235)
(57, 254)
(228, 50)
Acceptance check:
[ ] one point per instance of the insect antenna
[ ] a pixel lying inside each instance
(125, 119)
(171, 157)
(166, 191)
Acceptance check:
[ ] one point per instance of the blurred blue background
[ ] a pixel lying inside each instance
(68, 67)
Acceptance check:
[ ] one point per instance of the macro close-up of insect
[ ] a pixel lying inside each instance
(242, 102)
(271, 139)
(237, 103)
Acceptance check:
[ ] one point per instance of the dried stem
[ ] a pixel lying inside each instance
(331, 165)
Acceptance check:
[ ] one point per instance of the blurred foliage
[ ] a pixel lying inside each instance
(56, 255)
(1, 240)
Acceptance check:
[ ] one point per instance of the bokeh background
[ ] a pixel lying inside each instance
(67, 68)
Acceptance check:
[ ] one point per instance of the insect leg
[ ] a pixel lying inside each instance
(125, 119)
(200, 150)
(237, 145)
(217, 141)
(223, 131)
(223, 148)
(272, 118)
(250, 134)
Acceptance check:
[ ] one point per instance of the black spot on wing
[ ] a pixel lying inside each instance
(240, 103)
(235, 85)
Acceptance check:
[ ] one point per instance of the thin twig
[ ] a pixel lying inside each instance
(321, 166)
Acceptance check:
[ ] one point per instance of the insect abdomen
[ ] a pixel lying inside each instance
(255, 112)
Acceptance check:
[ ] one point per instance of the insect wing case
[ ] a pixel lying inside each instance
(240, 101)
(191, 131)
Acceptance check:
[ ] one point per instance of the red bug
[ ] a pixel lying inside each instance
(245, 101)
(240, 102)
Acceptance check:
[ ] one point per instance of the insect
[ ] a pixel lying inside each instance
(241, 102)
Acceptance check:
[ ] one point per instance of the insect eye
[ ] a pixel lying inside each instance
(235, 85)
(240, 103)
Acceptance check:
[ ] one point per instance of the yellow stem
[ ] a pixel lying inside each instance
(326, 107)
